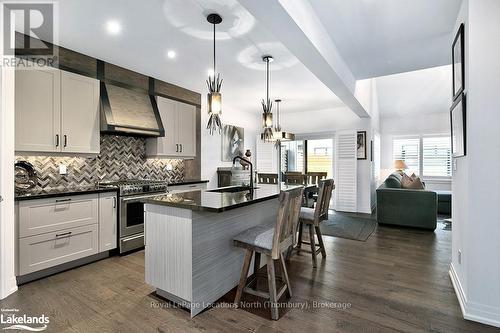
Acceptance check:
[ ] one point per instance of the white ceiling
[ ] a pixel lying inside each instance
(382, 37)
(415, 93)
(152, 27)
(375, 38)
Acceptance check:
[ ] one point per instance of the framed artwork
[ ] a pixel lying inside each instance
(371, 150)
(458, 127)
(233, 142)
(458, 63)
(361, 152)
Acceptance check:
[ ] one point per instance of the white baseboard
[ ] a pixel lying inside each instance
(8, 288)
(472, 311)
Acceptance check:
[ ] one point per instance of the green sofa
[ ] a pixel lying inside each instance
(406, 207)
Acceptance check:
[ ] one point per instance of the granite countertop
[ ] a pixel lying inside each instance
(38, 193)
(205, 200)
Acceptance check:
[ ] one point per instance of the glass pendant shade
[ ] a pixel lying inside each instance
(267, 120)
(214, 103)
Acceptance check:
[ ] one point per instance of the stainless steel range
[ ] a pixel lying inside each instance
(131, 209)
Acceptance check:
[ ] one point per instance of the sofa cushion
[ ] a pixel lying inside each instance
(412, 184)
(393, 181)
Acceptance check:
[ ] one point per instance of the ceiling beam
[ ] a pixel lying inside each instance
(297, 26)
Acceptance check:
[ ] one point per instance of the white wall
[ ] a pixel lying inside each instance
(211, 144)
(437, 123)
(476, 191)
(7, 239)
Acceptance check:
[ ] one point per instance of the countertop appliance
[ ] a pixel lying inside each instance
(131, 209)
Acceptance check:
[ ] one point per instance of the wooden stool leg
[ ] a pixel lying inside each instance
(320, 241)
(285, 276)
(243, 276)
(299, 242)
(271, 279)
(313, 244)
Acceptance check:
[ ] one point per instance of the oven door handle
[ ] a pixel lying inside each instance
(141, 197)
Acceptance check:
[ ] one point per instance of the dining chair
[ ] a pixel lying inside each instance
(293, 178)
(273, 241)
(312, 217)
(315, 177)
(268, 178)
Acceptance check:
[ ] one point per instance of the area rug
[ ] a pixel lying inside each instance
(348, 226)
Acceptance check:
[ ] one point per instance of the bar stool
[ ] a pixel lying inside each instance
(272, 241)
(312, 217)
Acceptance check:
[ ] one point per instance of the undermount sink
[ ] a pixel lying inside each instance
(232, 189)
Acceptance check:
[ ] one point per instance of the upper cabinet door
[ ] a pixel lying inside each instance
(186, 129)
(79, 114)
(37, 118)
(167, 145)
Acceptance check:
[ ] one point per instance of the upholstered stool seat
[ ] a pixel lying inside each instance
(307, 213)
(260, 236)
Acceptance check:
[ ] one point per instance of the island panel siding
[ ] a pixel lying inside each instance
(216, 262)
(168, 264)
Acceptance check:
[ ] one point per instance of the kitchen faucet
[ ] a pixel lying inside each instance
(251, 169)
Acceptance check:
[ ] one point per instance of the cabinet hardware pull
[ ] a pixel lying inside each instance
(176, 147)
(65, 140)
(63, 200)
(114, 202)
(181, 147)
(64, 234)
(57, 140)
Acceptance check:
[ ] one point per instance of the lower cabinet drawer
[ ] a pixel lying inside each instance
(55, 248)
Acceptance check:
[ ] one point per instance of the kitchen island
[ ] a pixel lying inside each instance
(189, 256)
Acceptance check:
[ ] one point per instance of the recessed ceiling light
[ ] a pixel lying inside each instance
(171, 54)
(113, 27)
(210, 72)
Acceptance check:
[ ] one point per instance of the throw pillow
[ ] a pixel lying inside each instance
(417, 184)
(406, 181)
(413, 176)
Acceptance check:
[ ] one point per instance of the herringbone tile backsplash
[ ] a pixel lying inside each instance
(121, 157)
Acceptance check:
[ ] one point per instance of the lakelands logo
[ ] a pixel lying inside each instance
(12, 320)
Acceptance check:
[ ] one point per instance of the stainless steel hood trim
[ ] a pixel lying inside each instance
(107, 116)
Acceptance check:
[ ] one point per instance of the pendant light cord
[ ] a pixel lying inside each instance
(214, 51)
(267, 79)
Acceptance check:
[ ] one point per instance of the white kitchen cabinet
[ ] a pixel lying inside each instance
(79, 114)
(38, 110)
(179, 122)
(108, 221)
(186, 126)
(56, 111)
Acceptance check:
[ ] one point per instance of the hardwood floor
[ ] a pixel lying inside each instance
(397, 281)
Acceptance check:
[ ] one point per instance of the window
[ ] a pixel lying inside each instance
(436, 153)
(429, 156)
(408, 150)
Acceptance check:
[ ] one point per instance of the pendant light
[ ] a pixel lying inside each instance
(278, 134)
(267, 105)
(214, 84)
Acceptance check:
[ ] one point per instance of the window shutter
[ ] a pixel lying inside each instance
(436, 153)
(408, 150)
(346, 178)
